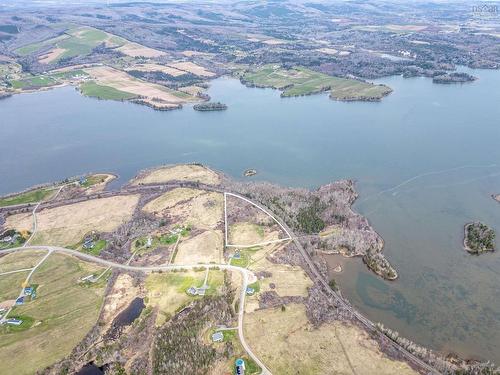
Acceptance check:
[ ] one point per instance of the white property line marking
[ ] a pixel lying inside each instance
(260, 243)
(15, 271)
(26, 282)
(260, 208)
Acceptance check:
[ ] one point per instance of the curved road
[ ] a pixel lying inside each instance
(245, 273)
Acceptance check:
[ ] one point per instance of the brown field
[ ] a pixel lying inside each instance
(184, 172)
(170, 199)
(51, 56)
(190, 67)
(288, 280)
(191, 90)
(137, 50)
(328, 51)
(20, 260)
(66, 225)
(107, 76)
(204, 248)
(205, 211)
(288, 344)
(157, 68)
(250, 234)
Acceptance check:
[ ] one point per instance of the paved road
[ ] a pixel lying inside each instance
(158, 188)
(368, 323)
(246, 274)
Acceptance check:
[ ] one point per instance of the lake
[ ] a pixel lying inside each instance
(426, 160)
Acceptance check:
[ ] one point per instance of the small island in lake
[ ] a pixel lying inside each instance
(218, 106)
(478, 238)
(447, 78)
(496, 197)
(250, 172)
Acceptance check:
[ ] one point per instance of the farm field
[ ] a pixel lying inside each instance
(288, 343)
(121, 81)
(30, 196)
(92, 89)
(20, 260)
(62, 305)
(203, 248)
(302, 81)
(66, 225)
(183, 172)
(167, 291)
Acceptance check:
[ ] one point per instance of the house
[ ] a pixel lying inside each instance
(250, 291)
(7, 239)
(82, 181)
(14, 322)
(149, 242)
(28, 291)
(192, 291)
(237, 255)
(19, 301)
(197, 291)
(217, 337)
(240, 366)
(88, 244)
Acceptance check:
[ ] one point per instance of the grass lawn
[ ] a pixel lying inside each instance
(245, 257)
(302, 81)
(62, 314)
(31, 196)
(36, 81)
(104, 92)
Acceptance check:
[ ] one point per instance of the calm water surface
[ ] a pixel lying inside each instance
(426, 160)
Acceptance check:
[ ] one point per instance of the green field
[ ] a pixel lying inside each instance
(78, 41)
(302, 81)
(94, 90)
(34, 82)
(34, 47)
(63, 312)
(31, 196)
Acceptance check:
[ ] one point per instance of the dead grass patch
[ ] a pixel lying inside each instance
(170, 199)
(183, 172)
(51, 56)
(204, 248)
(20, 260)
(157, 68)
(108, 76)
(191, 67)
(66, 225)
(138, 50)
(288, 344)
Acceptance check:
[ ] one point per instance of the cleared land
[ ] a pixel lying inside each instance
(21, 260)
(121, 81)
(302, 81)
(171, 198)
(168, 290)
(203, 248)
(157, 68)
(183, 172)
(62, 306)
(138, 50)
(249, 234)
(66, 225)
(92, 89)
(288, 344)
(31, 196)
(193, 68)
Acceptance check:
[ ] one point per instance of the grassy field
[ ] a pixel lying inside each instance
(288, 344)
(47, 80)
(67, 225)
(34, 47)
(31, 196)
(63, 312)
(20, 260)
(302, 81)
(94, 90)
(183, 172)
(168, 290)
